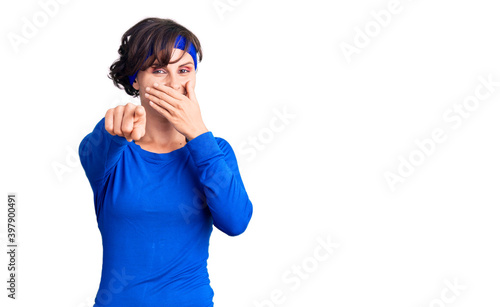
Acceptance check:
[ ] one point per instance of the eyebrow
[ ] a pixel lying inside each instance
(187, 63)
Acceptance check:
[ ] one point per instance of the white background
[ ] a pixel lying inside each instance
(321, 176)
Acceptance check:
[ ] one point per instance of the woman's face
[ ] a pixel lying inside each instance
(174, 75)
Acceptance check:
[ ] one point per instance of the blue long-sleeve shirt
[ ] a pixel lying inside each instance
(155, 212)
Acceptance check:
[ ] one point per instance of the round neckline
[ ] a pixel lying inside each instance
(159, 157)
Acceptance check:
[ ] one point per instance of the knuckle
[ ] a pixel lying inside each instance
(127, 129)
(140, 110)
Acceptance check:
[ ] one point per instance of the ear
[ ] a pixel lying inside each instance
(136, 84)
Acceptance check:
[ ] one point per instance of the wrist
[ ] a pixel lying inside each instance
(193, 135)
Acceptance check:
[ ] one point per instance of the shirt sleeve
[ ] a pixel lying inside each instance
(225, 193)
(99, 152)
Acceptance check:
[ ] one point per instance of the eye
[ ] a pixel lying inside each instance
(185, 70)
(155, 70)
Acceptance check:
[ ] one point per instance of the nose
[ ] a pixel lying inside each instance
(172, 81)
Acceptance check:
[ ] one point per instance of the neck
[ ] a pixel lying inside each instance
(160, 133)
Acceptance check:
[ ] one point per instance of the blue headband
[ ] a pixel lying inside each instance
(180, 43)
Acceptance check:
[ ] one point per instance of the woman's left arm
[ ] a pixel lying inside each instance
(225, 193)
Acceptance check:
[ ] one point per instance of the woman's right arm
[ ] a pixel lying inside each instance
(101, 149)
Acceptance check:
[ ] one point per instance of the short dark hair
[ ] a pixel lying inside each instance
(150, 33)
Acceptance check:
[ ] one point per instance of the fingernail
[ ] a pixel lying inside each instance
(147, 89)
(146, 95)
(156, 84)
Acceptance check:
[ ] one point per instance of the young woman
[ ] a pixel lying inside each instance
(160, 178)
